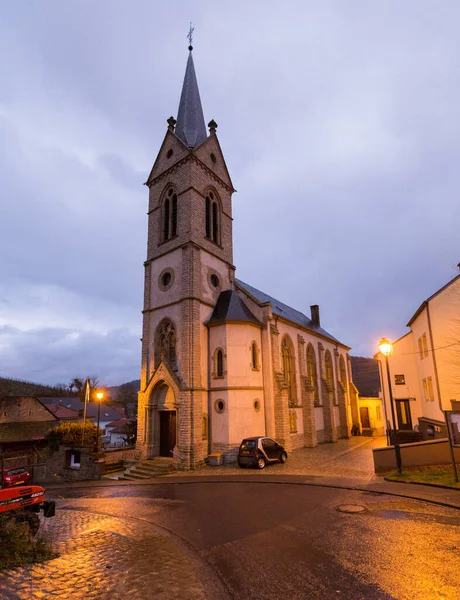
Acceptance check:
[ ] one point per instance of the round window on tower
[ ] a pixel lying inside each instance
(166, 279)
(214, 281)
(213, 158)
(219, 406)
(256, 405)
(169, 154)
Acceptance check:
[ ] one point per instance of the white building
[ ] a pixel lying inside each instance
(425, 364)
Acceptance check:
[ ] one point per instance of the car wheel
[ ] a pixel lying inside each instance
(283, 457)
(261, 462)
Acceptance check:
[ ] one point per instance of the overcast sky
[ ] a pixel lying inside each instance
(340, 126)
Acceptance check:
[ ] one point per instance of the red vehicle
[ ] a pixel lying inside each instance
(15, 476)
(23, 503)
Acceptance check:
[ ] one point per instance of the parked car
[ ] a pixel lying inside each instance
(260, 451)
(15, 476)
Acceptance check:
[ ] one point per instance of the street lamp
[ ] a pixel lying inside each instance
(386, 348)
(99, 397)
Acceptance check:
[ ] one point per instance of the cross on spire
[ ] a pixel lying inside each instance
(190, 36)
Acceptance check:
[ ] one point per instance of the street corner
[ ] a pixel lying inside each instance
(105, 557)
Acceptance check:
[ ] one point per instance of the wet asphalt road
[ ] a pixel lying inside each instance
(267, 541)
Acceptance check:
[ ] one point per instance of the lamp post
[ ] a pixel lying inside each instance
(386, 348)
(99, 397)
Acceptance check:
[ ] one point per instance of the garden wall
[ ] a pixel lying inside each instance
(418, 454)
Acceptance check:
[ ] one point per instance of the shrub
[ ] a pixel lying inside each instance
(18, 547)
(73, 434)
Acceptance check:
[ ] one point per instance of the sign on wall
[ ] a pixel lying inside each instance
(400, 380)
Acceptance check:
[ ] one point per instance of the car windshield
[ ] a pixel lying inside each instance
(249, 444)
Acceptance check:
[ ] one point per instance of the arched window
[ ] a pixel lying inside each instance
(165, 343)
(342, 371)
(312, 372)
(287, 353)
(329, 369)
(254, 356)
(219, 363)
(204, 427)
(169, 215)
(212, 218)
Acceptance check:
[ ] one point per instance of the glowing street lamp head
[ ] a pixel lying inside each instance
(386, 347)
(99, 396)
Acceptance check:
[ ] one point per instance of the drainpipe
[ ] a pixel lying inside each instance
(434, 356)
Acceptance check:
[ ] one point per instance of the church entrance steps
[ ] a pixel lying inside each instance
(155, 467)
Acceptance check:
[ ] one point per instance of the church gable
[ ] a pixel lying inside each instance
(210, 154)
(171, 152)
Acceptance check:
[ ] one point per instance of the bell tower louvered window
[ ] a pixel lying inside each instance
(212, 218)
(169, 215)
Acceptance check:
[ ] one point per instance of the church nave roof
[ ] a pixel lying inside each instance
(285, 311)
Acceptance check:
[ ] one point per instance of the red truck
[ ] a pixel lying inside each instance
(23, 503)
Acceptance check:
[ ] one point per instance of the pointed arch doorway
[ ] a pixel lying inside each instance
(163, 421)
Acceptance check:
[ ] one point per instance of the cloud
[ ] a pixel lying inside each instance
(339, 124)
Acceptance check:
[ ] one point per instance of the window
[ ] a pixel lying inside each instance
(165, 343)
(312, 373)
(425, 389)
(256, 405)
(169, 215)
(254, 361)
(288, 363)
(219, 363)
(342, 372)
(429, 382)
(75, 459)
(292, 421)
(212, 218)
(424, 345)
(378, 413)
(204, 431)
(268, 444)
(420, 347)
(219, 406)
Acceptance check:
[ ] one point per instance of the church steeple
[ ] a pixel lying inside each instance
(190, 127)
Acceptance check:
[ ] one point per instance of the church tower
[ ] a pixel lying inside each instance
(189, 263)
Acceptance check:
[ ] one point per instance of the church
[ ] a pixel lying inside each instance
(222, 360)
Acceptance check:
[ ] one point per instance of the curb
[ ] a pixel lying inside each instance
(435, 485)
(363, 487)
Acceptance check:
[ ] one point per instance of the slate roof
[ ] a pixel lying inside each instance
(25, 432)
(230, 308)
(107, 412)
(62, 412)
(285, 311)
(190, 126)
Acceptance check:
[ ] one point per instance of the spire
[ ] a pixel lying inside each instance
(190, 127)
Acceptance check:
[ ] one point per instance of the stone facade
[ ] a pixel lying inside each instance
(59, 464)
(208, 379)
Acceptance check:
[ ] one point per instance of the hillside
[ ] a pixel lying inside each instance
(366, 376)
(17, 387)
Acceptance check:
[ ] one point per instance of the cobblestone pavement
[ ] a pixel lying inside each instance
(350, 458)
(102, 557)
